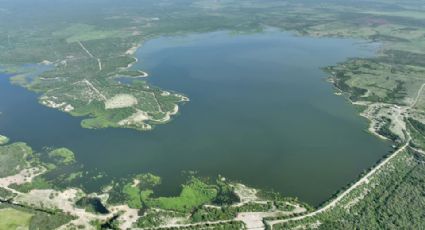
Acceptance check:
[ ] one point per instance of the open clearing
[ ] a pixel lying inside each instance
(14, 219)
(121, 101)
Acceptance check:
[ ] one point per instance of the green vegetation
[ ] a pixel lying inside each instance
(153, 218)
(417, 132)
(227, 212)
(230, 225)
(147, 181)
(140, 189)
(132, 73)
(5, 194)
(37, 183)
(284, 206)
(159, 211)
(133, 196)
(194, 193)
(225, 193)
(14, 219)
(18, 156)
(13, 158)
(49, 220)
(385, 131)
(377, 80)
(282, 202)
(62, 156)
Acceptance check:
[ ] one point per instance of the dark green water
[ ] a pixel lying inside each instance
(261, 113)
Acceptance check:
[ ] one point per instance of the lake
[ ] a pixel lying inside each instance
(260, 112)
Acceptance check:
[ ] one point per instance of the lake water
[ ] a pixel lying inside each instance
(260, 113)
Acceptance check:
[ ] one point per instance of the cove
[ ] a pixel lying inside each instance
(260, 113)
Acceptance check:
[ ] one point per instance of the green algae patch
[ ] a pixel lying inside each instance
(63, 156)
(194, 194)
(140, 189)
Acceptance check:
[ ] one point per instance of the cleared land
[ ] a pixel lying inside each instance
(14, 219)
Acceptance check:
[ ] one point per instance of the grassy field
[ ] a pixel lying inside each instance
(193, 194)
(14, 219)
(62, 156)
